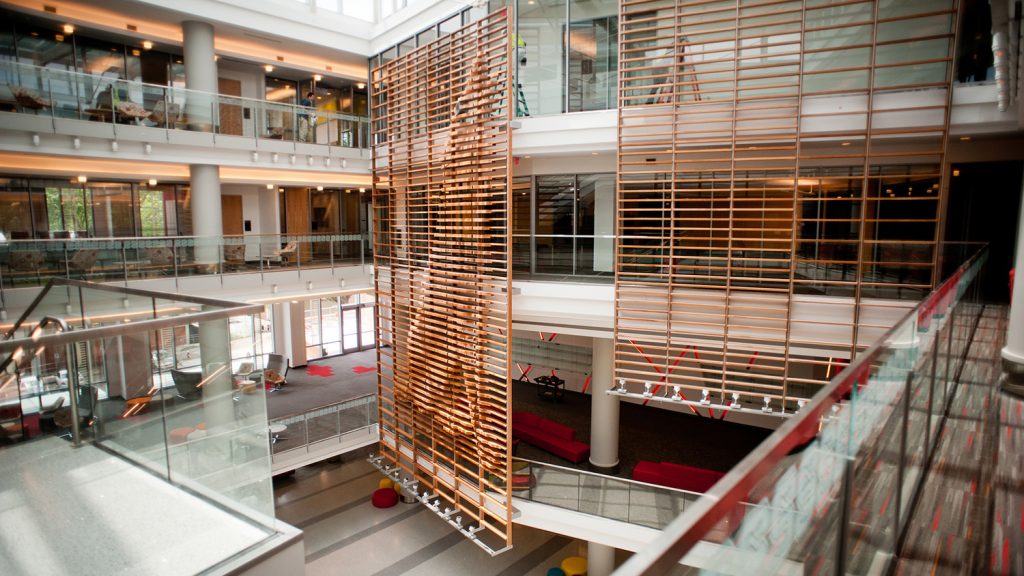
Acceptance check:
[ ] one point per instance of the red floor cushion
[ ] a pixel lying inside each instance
(384, 497)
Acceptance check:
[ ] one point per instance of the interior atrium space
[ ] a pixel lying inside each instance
(511, 287)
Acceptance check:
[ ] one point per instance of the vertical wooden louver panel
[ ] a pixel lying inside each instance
(441, 197)
(779, 186)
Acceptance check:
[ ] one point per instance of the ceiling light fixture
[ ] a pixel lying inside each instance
(147, 45)
(152, 181)
(268, 68)
(69, 29)
(319, 188)
(360, 85)
(82, 179)
(317, 77)
(845, 144)
(965, 138)
(270, 186)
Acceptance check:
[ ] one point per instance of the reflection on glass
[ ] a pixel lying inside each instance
(540, 54)
(593, 55)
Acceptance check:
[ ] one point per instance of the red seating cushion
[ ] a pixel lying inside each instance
(384, 498)
(676, 475)
(549, 435)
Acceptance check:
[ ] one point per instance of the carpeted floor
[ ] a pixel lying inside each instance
(645, 433)
(324, 382)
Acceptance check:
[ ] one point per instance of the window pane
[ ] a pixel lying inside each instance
(540, 55)
(593, 54)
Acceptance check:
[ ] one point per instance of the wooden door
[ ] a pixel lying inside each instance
(231, 214)
(297, 217)
(231, 110)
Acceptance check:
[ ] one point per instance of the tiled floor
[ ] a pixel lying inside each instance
(345, 534)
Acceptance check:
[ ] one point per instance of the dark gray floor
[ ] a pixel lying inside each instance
(304, 392)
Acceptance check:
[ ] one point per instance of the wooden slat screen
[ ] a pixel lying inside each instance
(780, 185)
(441, 201)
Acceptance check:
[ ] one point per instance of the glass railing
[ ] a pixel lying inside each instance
(66, 94)
(33, 262)
(325, 431)
(831, 489)
(582, 258)
(102, 377)
(605, 496)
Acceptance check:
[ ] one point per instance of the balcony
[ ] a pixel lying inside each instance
(66, 113)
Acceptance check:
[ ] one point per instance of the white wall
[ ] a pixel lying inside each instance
(252, 210)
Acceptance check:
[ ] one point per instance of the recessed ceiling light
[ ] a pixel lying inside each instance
(58, 37)
(152, 181)
(270, 186)
(268, 68)
(956, 172)
(82, 179)
(317, 77)
(136, 52)
(360, 85)
(965, 138)
(845, 144)
(319, 188)
(146, 44)
(69, 29)
(362, 189)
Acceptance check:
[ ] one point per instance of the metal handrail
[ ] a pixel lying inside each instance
(322, 407)
(683, 533)
(176, 90)
(607, 477)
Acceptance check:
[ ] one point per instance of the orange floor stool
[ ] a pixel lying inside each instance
(574, 566)
(180, 435)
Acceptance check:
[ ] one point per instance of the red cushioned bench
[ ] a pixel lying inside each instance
(549, 435)
(675, 475)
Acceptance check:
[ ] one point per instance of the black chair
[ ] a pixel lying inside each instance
(186, 383)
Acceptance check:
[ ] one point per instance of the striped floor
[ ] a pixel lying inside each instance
(345, 534)
(970, 517)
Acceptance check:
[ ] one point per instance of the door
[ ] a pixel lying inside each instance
(231, 215)
(230, 109)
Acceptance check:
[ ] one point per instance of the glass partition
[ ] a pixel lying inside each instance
(151, 378)
(109, 99)
(833, 487)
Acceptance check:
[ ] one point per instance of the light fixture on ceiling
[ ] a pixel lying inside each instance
(956, 172)
(360, 85)
(273, 157)
(126, 303)
(82, 179)
(268, 68)
(317, 77)
(309, 160)
(362, 190)
(136, 52)
(147, 45)
(319, 188)
(113, 146)
(152, 181)
(291, 158)
(255, 156)
(35, 139)
(273, 288)
(344, 163)
(280, 189)
(309, 285)
(270, 186)
(148, 149)
(58, 37)
(965, 138)
(76, 142)
(845, 144)
(69, 29)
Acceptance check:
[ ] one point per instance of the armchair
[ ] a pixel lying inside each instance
(186, 383)
(276, 372)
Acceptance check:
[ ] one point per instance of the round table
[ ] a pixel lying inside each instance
(275, 432)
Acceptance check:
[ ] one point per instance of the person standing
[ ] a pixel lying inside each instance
(307, 118)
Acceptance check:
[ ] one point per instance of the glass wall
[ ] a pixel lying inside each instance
(339, 325)
(564, 225)
(48, 208)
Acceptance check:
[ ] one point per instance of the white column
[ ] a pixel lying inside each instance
(215, 359)
(200, 75)
(604, 408)
(290, 332)
(1013, 353)
(600, 559)
(206, 207)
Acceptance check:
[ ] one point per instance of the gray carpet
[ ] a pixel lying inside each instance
(305, 392)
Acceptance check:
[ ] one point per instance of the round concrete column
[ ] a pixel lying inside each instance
(206, 219)
(600, 559)
(200, 74)
(604, 408)
(1013, 353)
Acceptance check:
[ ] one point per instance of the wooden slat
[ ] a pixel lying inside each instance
(441, 198)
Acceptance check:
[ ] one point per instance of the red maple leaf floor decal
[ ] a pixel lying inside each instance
(315, 370)
(363, 369)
